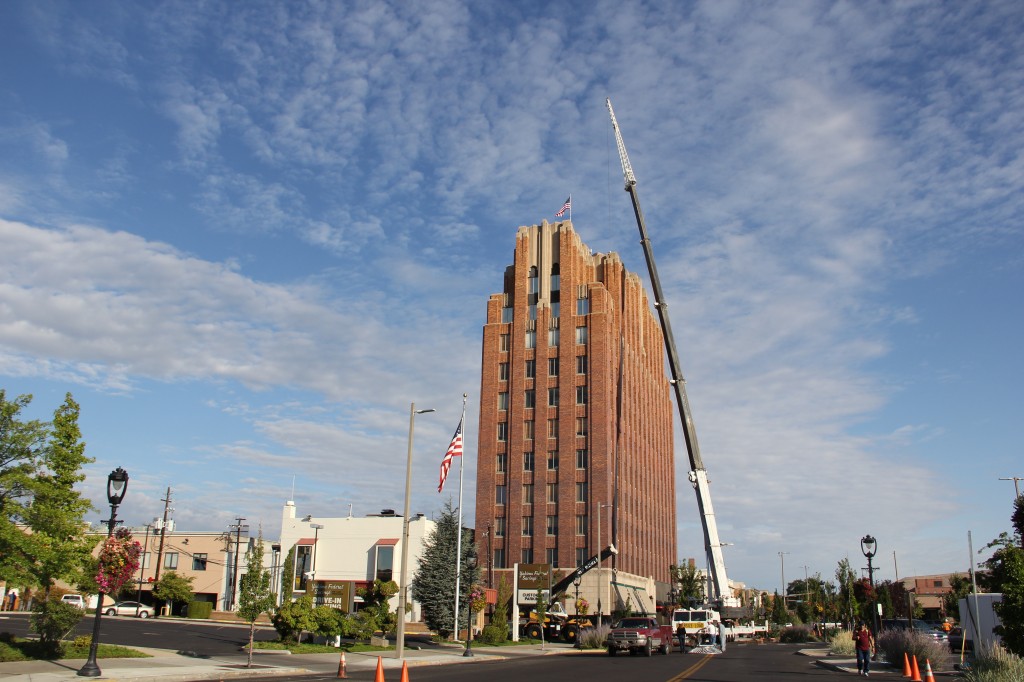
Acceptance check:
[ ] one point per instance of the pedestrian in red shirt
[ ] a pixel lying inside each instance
(865, 645)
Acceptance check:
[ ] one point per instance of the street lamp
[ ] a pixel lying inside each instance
(403, 588)
(117, 486)
(317, 527)
(576, 581)
(868, 547)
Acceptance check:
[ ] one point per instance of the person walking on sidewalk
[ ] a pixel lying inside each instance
(865, 645)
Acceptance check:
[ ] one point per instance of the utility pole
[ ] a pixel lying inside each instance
(163, 530)
(238, 527)
(1016, 483)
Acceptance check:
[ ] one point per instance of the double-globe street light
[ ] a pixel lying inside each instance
(117, 486)
(403, 588)
(869, 547)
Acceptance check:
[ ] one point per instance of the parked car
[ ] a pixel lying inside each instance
(74, 599)
(130, 608)
(919, 625)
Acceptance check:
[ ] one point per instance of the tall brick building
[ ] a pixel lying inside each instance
(549, 413)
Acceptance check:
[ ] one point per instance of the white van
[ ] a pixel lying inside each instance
(75, 600)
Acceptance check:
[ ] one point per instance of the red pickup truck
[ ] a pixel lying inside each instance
(639, 635)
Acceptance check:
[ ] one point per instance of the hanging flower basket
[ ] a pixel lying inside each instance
(118, 561)
(477, 599)
(582, 606)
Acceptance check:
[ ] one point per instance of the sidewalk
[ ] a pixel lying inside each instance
(169, 666)
(849, 665)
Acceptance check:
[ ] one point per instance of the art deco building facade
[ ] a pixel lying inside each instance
(570, 339)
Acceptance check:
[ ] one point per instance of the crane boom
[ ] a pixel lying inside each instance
(698, 475)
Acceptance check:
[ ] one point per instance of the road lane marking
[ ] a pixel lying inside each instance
(692, 669)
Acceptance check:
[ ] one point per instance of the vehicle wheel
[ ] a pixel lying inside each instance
(533, 631)
(611, 651)
(570, 634)
(648, 649)
(664, 649)
(143, 614)
(110, 612)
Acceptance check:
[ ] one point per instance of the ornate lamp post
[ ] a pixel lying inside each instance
(576, 581)
(117, 486)
(868, 548)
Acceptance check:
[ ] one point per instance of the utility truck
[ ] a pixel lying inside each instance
(559, 625)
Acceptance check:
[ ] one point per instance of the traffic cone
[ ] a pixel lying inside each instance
(379, 677)
(405, 672)
(906, 665)
(342, 668)
(928, 676)
(915, 676)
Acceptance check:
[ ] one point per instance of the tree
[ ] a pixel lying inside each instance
(1006, 575)
(434, 583)
(254, 595)
(779, 614)
(288, 576)
(689, 583)
(542, 613)
(173, 588)
(376, 605)
(845, 579)
(959, 588)
(292, 618)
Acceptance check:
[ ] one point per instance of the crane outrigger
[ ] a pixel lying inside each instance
(698, 475)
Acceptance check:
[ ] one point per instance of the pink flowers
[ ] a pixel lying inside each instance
(119, 559)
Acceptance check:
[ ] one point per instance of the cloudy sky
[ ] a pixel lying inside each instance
(246, 236)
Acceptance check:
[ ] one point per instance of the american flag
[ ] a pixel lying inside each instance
(565, 207)
(454, 450)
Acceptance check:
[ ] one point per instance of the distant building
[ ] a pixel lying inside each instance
(927, 591)
(576, 420)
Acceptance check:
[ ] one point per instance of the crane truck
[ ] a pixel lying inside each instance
(559, 625)
(698, 475)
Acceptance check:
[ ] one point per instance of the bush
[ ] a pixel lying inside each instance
(892, 644)
(82, 641)
(841, 644)
(594, 638)
(493, 634)
(53, 620)
(996, 665)
(292, 618)
(797, 634)
(200, 609)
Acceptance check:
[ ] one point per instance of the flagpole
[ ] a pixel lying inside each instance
(458, 544)
(570, 208)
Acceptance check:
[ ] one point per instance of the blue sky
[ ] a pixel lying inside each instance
(246, 236)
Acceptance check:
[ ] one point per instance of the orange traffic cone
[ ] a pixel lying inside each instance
(342, 668)
(405, 672)
(379, 677)
(928, 676)
(915, 676)
(906, 665)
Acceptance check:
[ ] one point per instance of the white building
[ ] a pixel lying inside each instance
(336, 556)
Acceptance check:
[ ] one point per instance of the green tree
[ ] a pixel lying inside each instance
(376, 605)
(173, 588)
(497, 631)
(779, 615)
(688, 582)
(959, 588)
(434, 584)
(1006, 575)
(542, 613)
(292, 618)
(254, 595)
(288, 576)
(847, 601)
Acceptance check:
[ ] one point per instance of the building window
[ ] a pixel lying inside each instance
(553, 397)
(553, 428)
(555, 281)
(499, 527)
(501, 463)
(528, 493)
(552, 525)
(553, 337)
(552, 367)
(553, 460)
(581, 364)
(503, 371)
(503, 400)
(527, 555)
(581, 394)
(145, 559)
(199, 562)
(581, 459)
(552, 556)
(581, 555)
(303, 557)
(506, 317)
(534, 287)
(533, 312)
(505, 342)
(581, 524)
(552, 493)
(385, 562)
(554, 308)
(171, 560)
(528, 429)
(531, 338)
(529, 399)
(499, 558)
(528, 460)
(936, 583)
(581, 491)
(502, 432)
(531, 369)
(582, 306)
(581, 426)
(527, 526)
(581, 335)
(500, 494)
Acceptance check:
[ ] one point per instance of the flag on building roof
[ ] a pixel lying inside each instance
(454, 450)
(567, 206)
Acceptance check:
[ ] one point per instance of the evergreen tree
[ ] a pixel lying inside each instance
(254, 596)
(779, 613)
(434, 583)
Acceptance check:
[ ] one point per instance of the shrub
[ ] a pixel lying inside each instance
(53, 620)
(82, 642)
(996, 665)
(841, 644)
(200, 609)
(493, 634)
(797, 634)
(594, 638)
(892, 644)
(292, 618)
